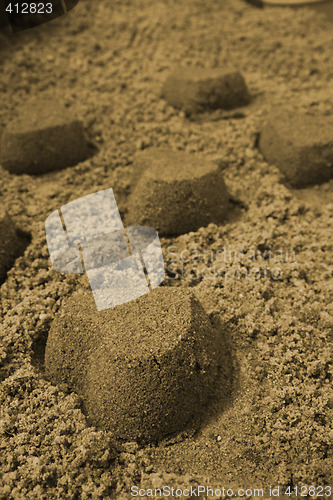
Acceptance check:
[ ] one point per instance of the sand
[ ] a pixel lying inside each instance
(272, 285)
(51, 141)
(300, 145)
(146, 369)
(192, 90)
(176, 192)
(13, 242)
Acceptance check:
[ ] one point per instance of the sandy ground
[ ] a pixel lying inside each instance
(108, 61)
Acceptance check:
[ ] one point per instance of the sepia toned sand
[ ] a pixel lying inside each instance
(23, 139)
(299, 145)
(264, 277)
(145, 369)
(193, 91)
(176, 192)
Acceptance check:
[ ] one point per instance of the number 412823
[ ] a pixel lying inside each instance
(29, 8)
(309, 491)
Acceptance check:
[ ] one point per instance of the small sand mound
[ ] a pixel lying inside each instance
(177, 192)
(300, 145)
(195, 89)
(12, 243)
(44, 137)
(144, 369)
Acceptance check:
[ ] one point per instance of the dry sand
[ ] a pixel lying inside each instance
(108, 61)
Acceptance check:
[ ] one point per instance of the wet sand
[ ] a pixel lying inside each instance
(264, 276)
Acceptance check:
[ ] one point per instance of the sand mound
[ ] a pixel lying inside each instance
(177, 192)
(144, 368)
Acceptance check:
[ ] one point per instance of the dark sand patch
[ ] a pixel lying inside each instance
(13, 242)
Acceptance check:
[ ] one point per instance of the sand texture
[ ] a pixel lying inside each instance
(263, 272)
(177, 193)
